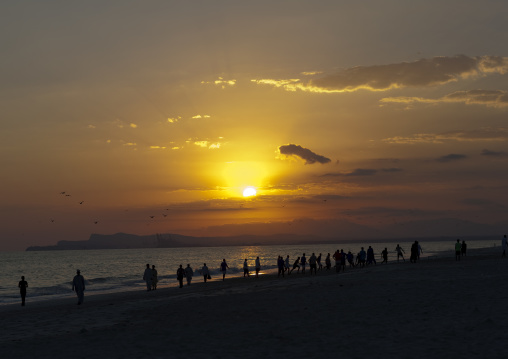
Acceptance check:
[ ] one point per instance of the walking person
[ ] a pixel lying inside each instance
(313, 263)
(154, 278)
(280, 266)
(328, 262)
(189, 273)
(286, 265)
(336, 256)
(458, 249)
(258, 266)
(320, 266)
(296, 265)
(180, 273)
(399, 251)
(23, 284)
(205, 272)
(463, 248)
(224, 267)
(78, 286)
(246, 268)
(343, 260)
(303, 261)
(147, 277)
(384, 255)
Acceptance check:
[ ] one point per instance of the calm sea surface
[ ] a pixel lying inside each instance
(49, 274)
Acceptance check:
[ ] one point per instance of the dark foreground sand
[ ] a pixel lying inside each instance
(437, 308)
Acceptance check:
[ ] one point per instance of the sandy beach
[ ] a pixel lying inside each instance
(437, 308)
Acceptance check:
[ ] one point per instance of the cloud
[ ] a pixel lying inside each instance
(483, 134)
(133, 125)
(451, 157)
(489, 153)
(490, 98)
(201, 116)
(174, 119)
(221, 82)
(304, 153)
(207, 144)
(420, 73)
(362, 172)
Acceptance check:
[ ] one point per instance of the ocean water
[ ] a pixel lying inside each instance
(49, 273)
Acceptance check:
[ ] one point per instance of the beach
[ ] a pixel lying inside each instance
(437, 308)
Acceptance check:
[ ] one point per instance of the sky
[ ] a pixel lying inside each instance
(350, 119)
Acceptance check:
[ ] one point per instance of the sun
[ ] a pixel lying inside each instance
(249, 192)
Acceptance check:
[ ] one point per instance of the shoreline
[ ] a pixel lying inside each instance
(436, 308)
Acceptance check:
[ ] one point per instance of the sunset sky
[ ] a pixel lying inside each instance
(154, 116)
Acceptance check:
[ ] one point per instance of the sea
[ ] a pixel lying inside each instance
(49, 273)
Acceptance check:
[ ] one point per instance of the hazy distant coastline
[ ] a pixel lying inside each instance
(132, 241)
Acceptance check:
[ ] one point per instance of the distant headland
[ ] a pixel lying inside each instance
(133, 241)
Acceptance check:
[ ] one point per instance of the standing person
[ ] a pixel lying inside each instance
(320, 266)
(224, 267)
(205, 272)
(23, 284)
(458, 249)
(280, 266)
(343, 260)
(414, 252)
(399, 251)
(328, 262)
(420, 250)
(189, 273)
(350, 258)
(303, 261)
(180, 273)
(370, 256)
(336, 256)
(286, 265)
(313, 263)
(147, 277)
(154, 277)
(463, 248)
(296, 265)
(245, 268)
(258, 266)
(78, 285)
(384, 254)
(504, 244)
(362, 257)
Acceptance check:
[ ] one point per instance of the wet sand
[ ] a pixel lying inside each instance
(436, 308)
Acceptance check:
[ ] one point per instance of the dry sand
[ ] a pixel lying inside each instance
(437, 308)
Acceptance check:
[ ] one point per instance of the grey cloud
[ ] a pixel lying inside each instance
(304, 153)
(362, 172)
(420, 73)
(489, 153)
(451, 157)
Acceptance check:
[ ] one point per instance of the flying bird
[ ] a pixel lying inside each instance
(81, 202)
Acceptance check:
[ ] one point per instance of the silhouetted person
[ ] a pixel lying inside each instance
(23, 284)
(336, 256)
(313, 263)
(303, 261)
(350, 258)
(296, 264)
(147, 277)
(246, 268)
(328, 262)
(343, 260)
(399, 251)
(258, 266)
(362, 256)
(78, 285)
(224, 267)
(384, 254)
(189, 273)
(205, 272)
(414, 252)
(154, 278)
(180, 273)
(458, 249)
(286, 265)
(420, 250)
(463, 248)
(370, 256)
(280, 266)
(320, 266)
(504, 244)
